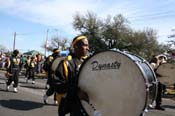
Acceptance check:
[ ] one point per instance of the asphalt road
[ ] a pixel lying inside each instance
(28, 101)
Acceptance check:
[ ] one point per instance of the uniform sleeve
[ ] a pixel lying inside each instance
(46, 65)
(60, 82)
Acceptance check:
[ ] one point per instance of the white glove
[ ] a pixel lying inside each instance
(97, 113)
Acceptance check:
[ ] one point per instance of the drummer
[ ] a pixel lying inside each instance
(47, 67)
(155, 62)
(66, 77)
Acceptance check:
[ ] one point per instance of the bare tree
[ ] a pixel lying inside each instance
(57, 42)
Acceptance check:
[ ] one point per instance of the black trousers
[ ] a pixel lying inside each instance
(27, 72)
(69, 106)
(159, 95)
(51, 91)
(31, 74)
(14, 77)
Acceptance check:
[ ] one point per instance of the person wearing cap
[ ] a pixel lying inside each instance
(13, 70)
(66, 77)
(155, 62)
(47, 67)
(161, 59)
(31, 69)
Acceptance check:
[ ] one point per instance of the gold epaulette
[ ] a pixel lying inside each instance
(85, 57)
(69, 57)
(65, 65)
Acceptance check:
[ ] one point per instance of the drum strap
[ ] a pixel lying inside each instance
(65, 65)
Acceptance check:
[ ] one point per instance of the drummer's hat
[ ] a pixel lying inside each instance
(56, 50)
(162, 56)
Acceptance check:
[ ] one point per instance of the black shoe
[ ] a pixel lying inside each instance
(159, 108)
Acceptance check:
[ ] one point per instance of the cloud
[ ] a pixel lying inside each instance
(51, 12)
(59, 13)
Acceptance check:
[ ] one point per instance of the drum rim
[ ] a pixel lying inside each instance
(146, 79)
(143, 75)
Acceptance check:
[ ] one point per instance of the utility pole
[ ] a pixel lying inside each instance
(46, 43)
(14, 41)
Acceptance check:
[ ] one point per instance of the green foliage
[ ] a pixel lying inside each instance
(115, 33)
(90, 26)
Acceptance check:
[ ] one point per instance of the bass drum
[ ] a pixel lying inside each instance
(117, 83)
(54, 66)
(166, 73)
(56, 63)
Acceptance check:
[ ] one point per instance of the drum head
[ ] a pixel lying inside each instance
(56, 63)
(166, 73)
(114, 83)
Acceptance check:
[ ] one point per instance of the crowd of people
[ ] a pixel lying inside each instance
(63, 81)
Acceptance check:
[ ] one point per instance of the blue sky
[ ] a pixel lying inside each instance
(30, 19)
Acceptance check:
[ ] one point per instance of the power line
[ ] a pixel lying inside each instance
(157, 14)
(153, 16)
(25, 34)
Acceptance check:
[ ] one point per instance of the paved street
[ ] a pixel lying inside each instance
(28, 101)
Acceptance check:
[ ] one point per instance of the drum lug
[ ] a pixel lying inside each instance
(148, 85)
(155, 82)
(147, 89)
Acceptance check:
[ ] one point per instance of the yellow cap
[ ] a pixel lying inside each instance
(78, 39)
(56, 50)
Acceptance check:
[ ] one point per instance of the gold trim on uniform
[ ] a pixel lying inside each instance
(16, 61)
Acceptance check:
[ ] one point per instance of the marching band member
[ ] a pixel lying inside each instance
(66, 77)
(155, 62)
(13, 70)
(47, 67)
(32, 66)
(26, 66)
